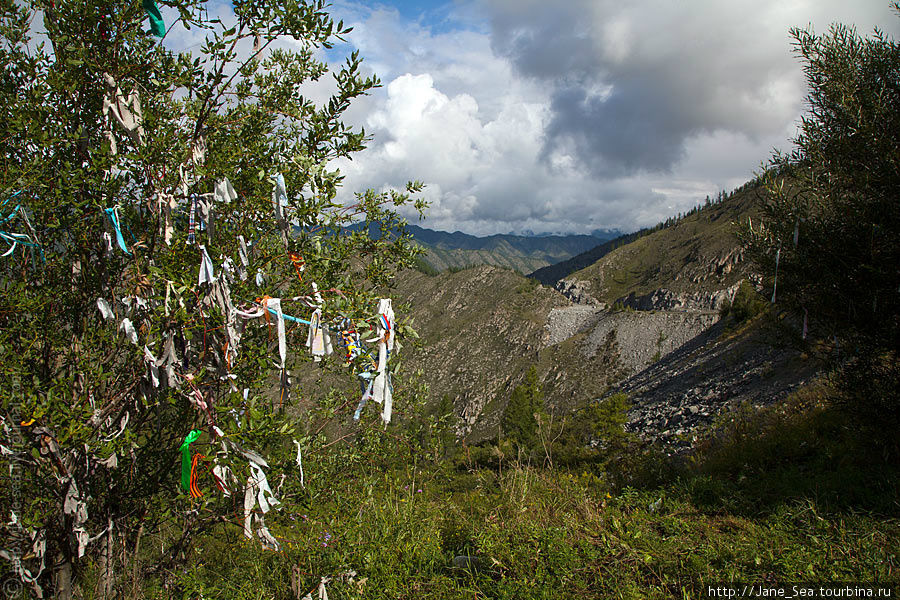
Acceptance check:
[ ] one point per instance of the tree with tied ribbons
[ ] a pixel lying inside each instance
(148, 196)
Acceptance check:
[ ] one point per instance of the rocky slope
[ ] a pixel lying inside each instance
(674, 399)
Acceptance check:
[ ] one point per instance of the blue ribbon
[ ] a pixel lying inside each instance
(10, 215)
(13, 239)
(157, 27)
(288, 317)
(114, 219)
(15, 210)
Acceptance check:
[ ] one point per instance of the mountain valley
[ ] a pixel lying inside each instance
(645, 319)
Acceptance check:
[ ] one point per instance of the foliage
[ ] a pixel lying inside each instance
(830, 219)
(520, 417)
(84, 424)
(431, 530)
(422, 266)
(747, 303)
(593, 437)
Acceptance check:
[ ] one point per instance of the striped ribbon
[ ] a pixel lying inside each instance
(192, 219)
(186, 458)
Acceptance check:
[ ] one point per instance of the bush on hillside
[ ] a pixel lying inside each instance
(830, 236)
(747, 303)
(520, 418)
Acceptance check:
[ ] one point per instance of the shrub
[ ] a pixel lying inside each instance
(747, 303)
(519, 421)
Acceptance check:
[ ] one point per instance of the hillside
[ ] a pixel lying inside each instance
(699, 253)
(642, 305)
(550, 274)
(481, 329)
(674, 244)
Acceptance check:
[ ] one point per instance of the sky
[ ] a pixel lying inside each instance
(571, 116)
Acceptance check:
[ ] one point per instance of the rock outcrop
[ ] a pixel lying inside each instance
(663, 299)
(567, 321)
(577, 292)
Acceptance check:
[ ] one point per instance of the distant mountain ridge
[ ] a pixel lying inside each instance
(520, 253)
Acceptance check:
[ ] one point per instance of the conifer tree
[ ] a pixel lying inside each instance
(520, 418)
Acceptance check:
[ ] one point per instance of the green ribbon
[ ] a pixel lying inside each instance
(186, 458)
(157, 27)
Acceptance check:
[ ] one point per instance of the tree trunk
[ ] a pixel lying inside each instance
(135, 576)
(107, 570)
(62, 577)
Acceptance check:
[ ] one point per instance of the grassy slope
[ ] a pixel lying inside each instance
(676, 257)
(786, 496)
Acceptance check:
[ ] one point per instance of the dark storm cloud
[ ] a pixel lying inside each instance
(632, 82)
(608, 134)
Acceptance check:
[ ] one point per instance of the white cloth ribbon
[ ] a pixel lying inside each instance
(130, 332)
(169, 360)
(167, 204)
(279, 197)
(152, 363)
(275, 305)
(249, 503)
(105, 309)
(125, 111)
(382, 390)
(242, 254)
(207, 271)
(318, 340)
(299, 463)
(224, 191)
(107, 243)
(265, 496)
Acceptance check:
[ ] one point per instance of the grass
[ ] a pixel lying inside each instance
(788, 494)
(548, 534)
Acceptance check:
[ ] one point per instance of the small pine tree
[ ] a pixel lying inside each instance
(520, 417)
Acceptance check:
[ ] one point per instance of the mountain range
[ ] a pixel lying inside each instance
(522, 253)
